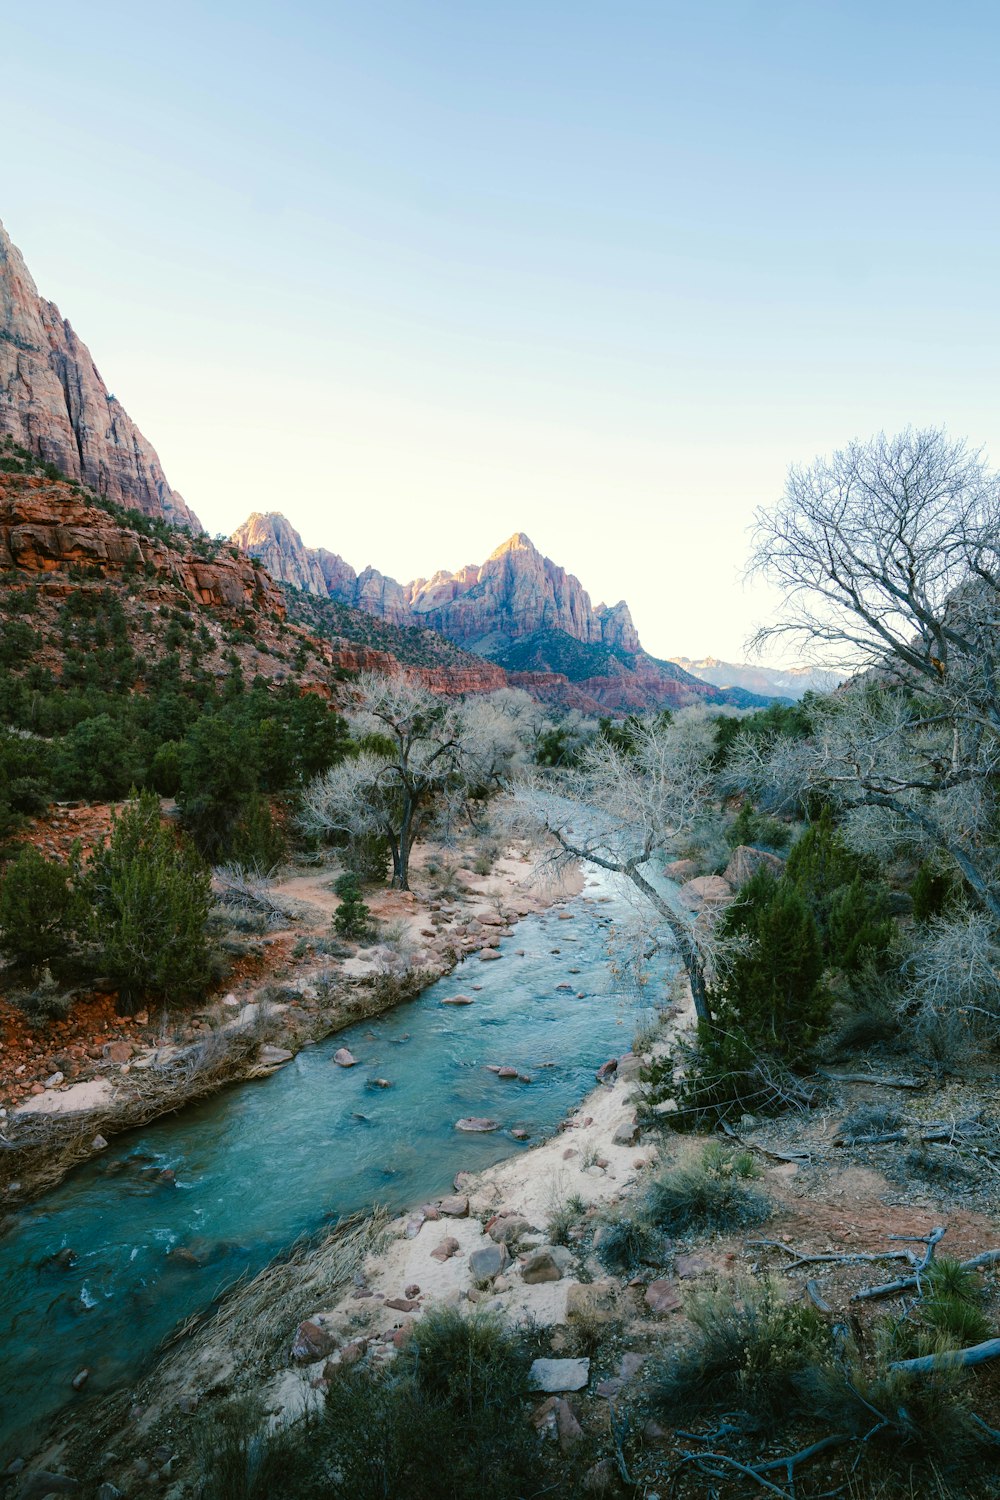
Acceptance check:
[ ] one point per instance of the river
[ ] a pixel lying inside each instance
(99, 1272)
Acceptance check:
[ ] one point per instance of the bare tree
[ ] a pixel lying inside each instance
(624, 806)
(419, 754)
(888, 558)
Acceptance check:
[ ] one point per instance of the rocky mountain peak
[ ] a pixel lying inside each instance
(54, 403)
(519, 542)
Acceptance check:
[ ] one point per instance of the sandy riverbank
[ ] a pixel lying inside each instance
(300, 993)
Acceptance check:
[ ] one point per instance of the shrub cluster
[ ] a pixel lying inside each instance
(136, 913)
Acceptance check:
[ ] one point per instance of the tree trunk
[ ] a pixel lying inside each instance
(407, 833)
(686, 947)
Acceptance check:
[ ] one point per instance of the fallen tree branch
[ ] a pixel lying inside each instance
(870, 1140)
(817, 1298)
(949, 1359)
(803, 1258)
(733, 1135)
(834, 1440)
(906, 1283)
(704, 1458)
(882, 1081)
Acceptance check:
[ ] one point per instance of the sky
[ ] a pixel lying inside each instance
(420, 275)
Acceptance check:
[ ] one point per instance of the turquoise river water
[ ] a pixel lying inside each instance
(87, 1278)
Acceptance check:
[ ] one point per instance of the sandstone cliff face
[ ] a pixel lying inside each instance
(518, 607)
(54, 403)
(272, 539)
(276, 543)
(515, 593)
(45, 528)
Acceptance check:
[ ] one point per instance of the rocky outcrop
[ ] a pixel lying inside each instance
(46, 527)
(514, 593)
(271, 538)
(54, 403)
(517, 608)
(276, 544)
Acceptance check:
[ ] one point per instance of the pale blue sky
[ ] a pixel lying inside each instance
(421, 275)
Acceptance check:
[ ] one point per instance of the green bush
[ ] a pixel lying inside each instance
(352, 919)
(771, 994)
(442, 1423)
(36, 902)
(709, 1195)
(98, 760)
(933, 891)
(757, 829)
(149, 893)
(45, 1001)
(750, 1349)
(624, 1241)
(218, 777)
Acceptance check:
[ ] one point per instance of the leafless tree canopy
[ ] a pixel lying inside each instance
(888, 557)
(623, 806)
(880, 550)
(420, 754)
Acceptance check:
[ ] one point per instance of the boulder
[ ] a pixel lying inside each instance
(455, 1207)
(607, 1070)
(487, 955)
(593, 1302)
(556, 1419)
(488, 1261)
(476, 1125)
(745, 861)
(344, 1058)
(681, 870)
(556, 1375)
(458, 1000)
(662, 1297)
(447, 1248)
(705, 891)
(687, 1267)
(505, 1230)
(313, 1341)
(506, 1072)
(627, 1133)
(542, 1264)
(274, 1057)
(601, 1479)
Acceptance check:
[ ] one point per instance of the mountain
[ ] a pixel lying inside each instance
(54, 403)
(66, 552)
(775, 682)
(518, 609)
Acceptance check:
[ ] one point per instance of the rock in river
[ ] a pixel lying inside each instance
(343, 1058)
(476, 1125)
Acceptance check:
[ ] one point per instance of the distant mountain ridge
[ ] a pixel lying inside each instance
(54, 403)
(519, 609)
(781, 682)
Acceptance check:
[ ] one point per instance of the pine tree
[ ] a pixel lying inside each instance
(35, 903)
(149, 891)
(352, 919)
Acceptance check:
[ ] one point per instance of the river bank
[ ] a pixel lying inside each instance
(143, 1235)
(293, 986)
